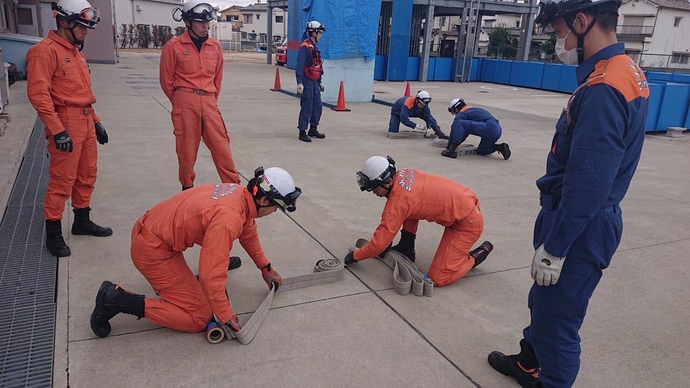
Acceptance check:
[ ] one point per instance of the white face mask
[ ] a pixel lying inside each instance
(568, 57)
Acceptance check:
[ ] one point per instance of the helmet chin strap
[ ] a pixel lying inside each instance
(195, 36)
(581, 37)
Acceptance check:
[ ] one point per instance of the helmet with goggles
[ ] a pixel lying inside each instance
(195, 10)
(314, 26)
(376, 171)
(551, 10)
(79, 11)
(277, 185)
(424, 97)
(456, 104)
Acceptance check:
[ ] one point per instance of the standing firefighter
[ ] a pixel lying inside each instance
(191, 74)
(59, 88)
(212, 216)
(308, 71)
(591, 161)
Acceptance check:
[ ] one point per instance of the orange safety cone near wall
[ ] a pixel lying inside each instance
(340, 106)
(407, 89)
(276, 83)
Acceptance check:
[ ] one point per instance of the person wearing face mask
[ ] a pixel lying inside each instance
(59, 88)
(591, 161)
(191, 74)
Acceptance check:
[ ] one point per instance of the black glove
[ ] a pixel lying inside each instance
(385, 251)
(349, 259)
(63, 142)
(101, 134)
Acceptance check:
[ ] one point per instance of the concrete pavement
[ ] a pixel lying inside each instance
(359, 332)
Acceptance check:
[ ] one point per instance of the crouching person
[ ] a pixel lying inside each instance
(413, 195)
(212, 216)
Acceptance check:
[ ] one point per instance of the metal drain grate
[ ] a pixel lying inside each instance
(28, 274)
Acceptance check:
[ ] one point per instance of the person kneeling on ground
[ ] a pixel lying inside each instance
(474, 121)
(417, 106)
(413, 195)
(212, 216)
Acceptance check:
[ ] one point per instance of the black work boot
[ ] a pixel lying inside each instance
(481, 253)
(313, 132)
(84, 226)
(54, 241)
(523, 367)
(303, 136)
(235, 262)
(450, 151)
(438, 132)
(503, 149)
(186, 187)
(406, 244)
(110, 301)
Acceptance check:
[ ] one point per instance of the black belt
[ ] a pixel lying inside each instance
(550, 203)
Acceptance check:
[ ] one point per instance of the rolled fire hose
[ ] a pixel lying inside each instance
(407, 277)
(325, 271)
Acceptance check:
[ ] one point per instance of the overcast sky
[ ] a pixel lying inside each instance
(228, 3)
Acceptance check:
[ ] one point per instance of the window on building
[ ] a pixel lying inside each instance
(676, 22)
(258, 16)
(279, 18)
(681, 58)
(248, 19)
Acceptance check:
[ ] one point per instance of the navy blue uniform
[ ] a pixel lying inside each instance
(478, 122)
(310, 100)
(405, 108)
(594, 154)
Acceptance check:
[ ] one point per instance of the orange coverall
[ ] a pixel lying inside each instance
(59, 88)
(192, 81)
(416, 195)
(212, 216)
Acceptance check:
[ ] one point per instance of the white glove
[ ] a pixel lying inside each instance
(300, 88)
(546, 268)
(420, 127)
(429, 132)
(322, 87)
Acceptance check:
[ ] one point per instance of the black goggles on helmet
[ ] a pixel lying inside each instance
(203, 12)
(88, 17)
(284, 202)
(366, 184)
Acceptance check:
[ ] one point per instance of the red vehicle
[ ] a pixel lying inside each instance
(281, 53)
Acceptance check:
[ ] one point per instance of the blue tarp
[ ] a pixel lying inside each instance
(351, 26)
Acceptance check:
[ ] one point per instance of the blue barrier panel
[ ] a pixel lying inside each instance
(489, 72)
(568, 80)
(681, 78)
(687, 120)
(431, 69)
(656, 76)
(444, 69)
(674, 106)
(527, 74)
(503, 71)
(476, 72)
(518, 73)
(412, 68)
(380, 67)
(551, 76)
(656, 93)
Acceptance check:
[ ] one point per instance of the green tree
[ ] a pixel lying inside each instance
(499, 39)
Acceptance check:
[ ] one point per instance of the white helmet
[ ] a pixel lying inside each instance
(197, 10)
(278, 186)
(375, 172)
(79, 11)
(456, 104)
(314, 26)
(424, 97)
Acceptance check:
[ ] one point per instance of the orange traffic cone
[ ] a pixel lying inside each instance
(340, 107)
(276, 83)
(407, 89)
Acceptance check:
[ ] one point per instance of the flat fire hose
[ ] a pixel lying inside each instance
(407, 277)
(325, 271)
